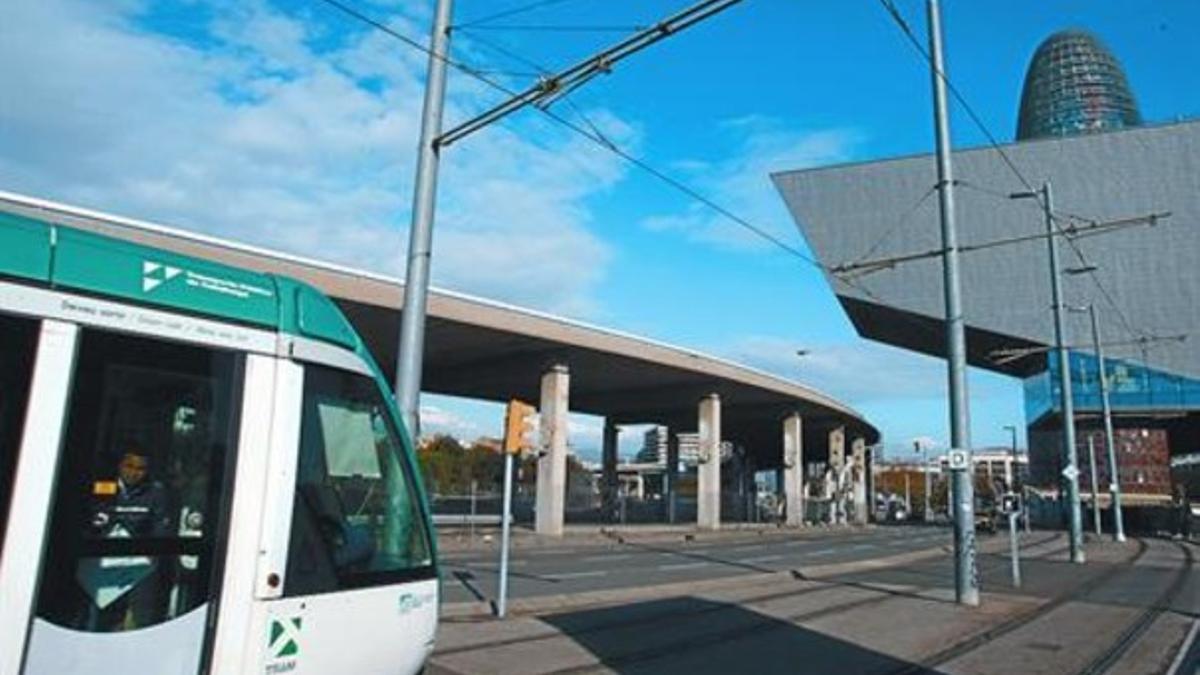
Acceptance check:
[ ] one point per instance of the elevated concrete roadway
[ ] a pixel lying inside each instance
(488, 350)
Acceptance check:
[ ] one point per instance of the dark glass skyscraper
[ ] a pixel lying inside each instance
(1074, 86)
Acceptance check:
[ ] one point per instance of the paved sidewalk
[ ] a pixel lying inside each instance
(1128, 610)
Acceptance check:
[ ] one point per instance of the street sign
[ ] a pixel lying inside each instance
(1070, 473)
(958, 460)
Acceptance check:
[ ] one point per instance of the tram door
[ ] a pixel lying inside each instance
(130, 573)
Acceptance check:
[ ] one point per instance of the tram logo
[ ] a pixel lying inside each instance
(154, 274)
(283, 645)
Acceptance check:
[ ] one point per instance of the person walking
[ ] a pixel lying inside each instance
(1183, 513)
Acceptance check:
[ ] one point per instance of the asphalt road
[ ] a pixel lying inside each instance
(534, 572)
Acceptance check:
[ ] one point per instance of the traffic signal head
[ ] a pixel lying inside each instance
(519, 426)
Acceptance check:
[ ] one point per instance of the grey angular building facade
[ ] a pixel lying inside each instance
(1079, 124)
(1149, 276)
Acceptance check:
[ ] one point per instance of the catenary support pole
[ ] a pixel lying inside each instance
(1095, 488)
(966, 581)
(1114, 471)
(1066, 398)
(411, 352)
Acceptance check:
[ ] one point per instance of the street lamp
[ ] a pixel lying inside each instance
(1012, 471)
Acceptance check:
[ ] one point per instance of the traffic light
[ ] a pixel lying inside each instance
(519, 426)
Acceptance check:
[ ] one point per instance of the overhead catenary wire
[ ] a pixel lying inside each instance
(512, 11)
(860, 268)
(597, 139)
(644, 166)
(553, 28)
(898, 18)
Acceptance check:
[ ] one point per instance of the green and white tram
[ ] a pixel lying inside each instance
(201, 470)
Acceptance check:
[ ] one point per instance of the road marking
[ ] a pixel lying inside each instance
(760, 559)
(682, 566)
(863, 547)
(755, 547)
(824, 551)
(575, 575)
(1184, 649)
(605, 558)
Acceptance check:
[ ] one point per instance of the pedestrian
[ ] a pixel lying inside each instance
(1183, 513)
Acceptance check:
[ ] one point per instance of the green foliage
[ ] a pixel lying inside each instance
(449, 468)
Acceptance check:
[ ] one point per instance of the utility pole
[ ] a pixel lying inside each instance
(548, 89)
(410, 355)
(1114, 472)
(966, 579)
(1071, 473)
(1095, 488)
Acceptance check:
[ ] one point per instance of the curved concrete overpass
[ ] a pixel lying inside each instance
(482, 349)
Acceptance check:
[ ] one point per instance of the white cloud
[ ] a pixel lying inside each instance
(436, 420)
(854, 372)
(741, 183)
(295, 131)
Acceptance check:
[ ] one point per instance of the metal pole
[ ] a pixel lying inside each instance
(472, 527)
(1014, 467)
(1095, 488)
(966, 581)
(1015, 549)
(505, 526)
(928, 488)
(1071, 473)
(411, 352)
(1114, 472)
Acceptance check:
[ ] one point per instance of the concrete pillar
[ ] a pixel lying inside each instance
(552, 462)
(793, 469)
(858, 454)
(708, 489)
(671, 474)
(608, 457)
(837, 462)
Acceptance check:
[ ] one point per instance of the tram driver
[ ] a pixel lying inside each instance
(128, 589)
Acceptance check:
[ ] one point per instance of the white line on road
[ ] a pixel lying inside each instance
(575, 575)
(760, 559)
(682, 566)
(754, 547)
(824, 551)
(863, 547)
(606, 558)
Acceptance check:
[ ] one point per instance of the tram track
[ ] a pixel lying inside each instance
(750, 628)
(1138, 627)
(970, 644)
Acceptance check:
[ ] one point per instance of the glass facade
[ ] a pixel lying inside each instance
(1074, 85)
(1132, 388)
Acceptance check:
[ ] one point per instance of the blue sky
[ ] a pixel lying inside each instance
(287, 124)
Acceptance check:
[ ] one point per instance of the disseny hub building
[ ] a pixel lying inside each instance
(1126, 208)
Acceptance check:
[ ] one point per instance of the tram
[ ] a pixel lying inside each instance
(202, 470)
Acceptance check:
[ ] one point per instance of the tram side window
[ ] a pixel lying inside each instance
(19, 340)
(142, 483)
(356, 520)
